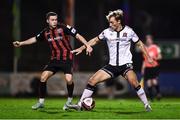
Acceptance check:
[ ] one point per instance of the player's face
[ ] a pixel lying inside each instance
(149, 40)
(114, 24)
(52, 21)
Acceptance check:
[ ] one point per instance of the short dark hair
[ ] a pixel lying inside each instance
(50, 14)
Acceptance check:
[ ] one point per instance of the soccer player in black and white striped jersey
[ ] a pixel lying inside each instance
(118, 37)
(56, 35)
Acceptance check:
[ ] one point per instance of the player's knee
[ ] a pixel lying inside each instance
(155, 82)
(92, 82)
(43, 79)
(69, 80)
(149, 83)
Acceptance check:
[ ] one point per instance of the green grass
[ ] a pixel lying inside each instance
(20, 108)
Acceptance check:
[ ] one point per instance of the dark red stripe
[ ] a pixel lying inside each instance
(62, 46)
(59, 47)
(52, 51)
(55, 46)
(50, 44)
(67, 43)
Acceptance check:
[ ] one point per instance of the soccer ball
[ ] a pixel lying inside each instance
(88, 103)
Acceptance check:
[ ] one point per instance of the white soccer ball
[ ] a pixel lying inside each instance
(88, 103)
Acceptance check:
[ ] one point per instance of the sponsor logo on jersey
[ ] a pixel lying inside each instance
(56, 38)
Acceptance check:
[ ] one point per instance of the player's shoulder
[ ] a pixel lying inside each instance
(127, 28)
(65, 26)
(44, 30)
(154, 46)
(108, 30)
(61, 25)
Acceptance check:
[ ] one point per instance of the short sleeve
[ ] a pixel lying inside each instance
(40, 36)
(158, 50)
(101, 36)
(134, 36)
(68, 30)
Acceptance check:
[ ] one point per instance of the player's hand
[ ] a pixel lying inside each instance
(77, 51)
(142, 72)
(17, 44)
(150, 60)
(89, 50)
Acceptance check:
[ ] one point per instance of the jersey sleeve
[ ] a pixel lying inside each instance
(68, 30)
(101, 36)
(40, 36)
(158, 50)
(134, 36)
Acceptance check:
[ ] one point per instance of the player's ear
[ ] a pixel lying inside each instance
(47, 21)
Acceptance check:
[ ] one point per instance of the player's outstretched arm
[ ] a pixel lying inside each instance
(91, 42)
(143, 68)
(26, 42)
(143, 49)
(159, 57)
(89, 49)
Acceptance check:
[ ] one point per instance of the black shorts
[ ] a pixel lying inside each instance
(151, 73)
(115, 71)
(56, 65)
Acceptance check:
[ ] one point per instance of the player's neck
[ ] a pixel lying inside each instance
(119, 28)
(50, 27)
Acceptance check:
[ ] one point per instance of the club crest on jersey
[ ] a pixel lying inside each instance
(73, 30)
(124, 34)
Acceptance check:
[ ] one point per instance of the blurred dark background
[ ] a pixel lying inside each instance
(158, 17)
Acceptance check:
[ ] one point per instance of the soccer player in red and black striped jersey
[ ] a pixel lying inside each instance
(56, 35)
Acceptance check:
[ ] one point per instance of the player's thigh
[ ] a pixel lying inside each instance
(132, 78)
(67, 69)
(46, 75)
(99, 76)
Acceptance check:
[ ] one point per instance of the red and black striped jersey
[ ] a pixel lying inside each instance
(58, 41)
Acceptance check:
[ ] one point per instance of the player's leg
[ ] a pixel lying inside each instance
(148, 75)
(70, 88)
(132, 78)
(150, 89)
(156, 86)
(110, 88)
(68, 77)
(42, 89)
(99, 76)
(155, 82)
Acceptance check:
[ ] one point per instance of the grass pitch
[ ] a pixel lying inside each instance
(20, 108)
